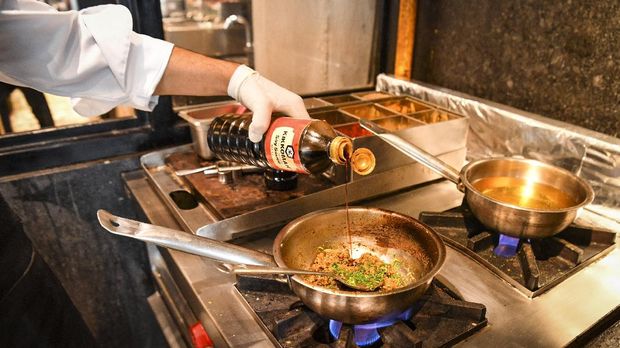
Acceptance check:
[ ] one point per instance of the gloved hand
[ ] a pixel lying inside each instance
(262, 97)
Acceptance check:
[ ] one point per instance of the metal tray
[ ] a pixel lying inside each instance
(436, 130)
(199, 219)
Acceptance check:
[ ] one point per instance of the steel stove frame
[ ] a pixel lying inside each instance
(563, 315)
(557, 317)
(439, 318)
(538, 265)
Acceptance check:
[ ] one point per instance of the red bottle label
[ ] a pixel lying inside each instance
(282, 144)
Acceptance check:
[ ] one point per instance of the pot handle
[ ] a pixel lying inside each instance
(425, 158)
(182, 241)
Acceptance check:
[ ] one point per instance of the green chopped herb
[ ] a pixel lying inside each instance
(365, 274)
(366, 271)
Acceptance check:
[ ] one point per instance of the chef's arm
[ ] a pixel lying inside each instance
(190, 73)
(94, 57)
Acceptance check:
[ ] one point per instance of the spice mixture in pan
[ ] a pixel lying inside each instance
(367, 270)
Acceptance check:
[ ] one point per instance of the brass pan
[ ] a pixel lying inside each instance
(522, 198)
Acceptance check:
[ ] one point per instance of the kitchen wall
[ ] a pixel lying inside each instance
(314, 46)
(557, 59)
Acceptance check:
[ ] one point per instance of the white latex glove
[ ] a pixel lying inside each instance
(263, 97)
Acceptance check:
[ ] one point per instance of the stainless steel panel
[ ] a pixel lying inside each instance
(333, 117)
(168, 326)
(210, 293)
(433, 116)
(165, 181)
(315, 103)
(199, 120)
(198, 219)
(397, 123)
(208, 38)
(404, 105)
(367, 111)
(372, 95)
(500, 130)
(553, 319)
(340, 99)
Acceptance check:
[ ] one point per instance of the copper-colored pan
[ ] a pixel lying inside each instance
(521, 198)
(385, 234)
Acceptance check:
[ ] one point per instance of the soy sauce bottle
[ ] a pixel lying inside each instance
(305, 146)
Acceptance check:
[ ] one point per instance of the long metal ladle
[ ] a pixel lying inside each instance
(246, 261)
(265, 270)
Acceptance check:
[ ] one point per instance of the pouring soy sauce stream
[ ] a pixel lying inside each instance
(362, 161)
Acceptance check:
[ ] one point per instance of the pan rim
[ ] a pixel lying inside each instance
(469, 166)
(426, 279)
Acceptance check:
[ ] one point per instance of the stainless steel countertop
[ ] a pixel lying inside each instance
(553, 319)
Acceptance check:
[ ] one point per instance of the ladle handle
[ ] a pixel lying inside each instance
(261, 270)
(184, 172)
(425, 158)
(182, 241)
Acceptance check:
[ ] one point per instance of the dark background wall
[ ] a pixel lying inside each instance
(106, 277)
(560, 59)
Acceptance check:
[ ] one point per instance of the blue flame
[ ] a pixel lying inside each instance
(334, 328)
(365, 337)
(507, 246)
(367, 334)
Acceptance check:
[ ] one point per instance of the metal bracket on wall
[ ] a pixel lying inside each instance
(405, 38)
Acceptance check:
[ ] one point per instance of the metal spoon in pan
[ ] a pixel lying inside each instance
(264, 270)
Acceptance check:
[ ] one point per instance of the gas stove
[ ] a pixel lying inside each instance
(439, 318)
(531, 266)
(552, 292)
(238, 312)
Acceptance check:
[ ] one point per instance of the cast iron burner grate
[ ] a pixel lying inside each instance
(538, 265)
(440, 318)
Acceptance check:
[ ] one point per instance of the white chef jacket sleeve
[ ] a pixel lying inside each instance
(92, 55)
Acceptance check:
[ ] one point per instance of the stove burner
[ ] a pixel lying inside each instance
(537, 264)
(368, 334)
(507, 246)
(365, 337)
(440, 318)
(334, 328)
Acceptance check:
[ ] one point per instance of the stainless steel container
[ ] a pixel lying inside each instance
(438, 131)
(199, 120)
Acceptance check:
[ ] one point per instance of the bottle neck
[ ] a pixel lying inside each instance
(340, 149)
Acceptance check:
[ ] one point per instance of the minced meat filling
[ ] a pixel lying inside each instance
(367, 270)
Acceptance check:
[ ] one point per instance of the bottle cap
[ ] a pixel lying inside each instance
(363, 161)
(340, 149)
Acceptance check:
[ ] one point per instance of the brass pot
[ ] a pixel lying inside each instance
(512, 219)
(504, 216)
